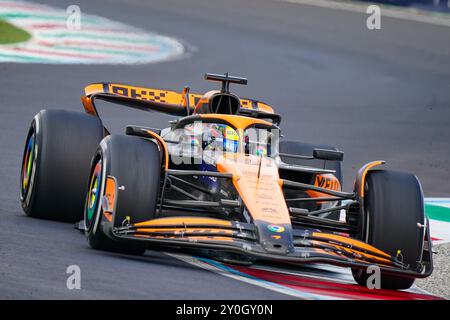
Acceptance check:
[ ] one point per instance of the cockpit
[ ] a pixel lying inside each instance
(210, 139)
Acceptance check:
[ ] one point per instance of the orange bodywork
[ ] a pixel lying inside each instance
(349, 241)
(361, 256)
(163, 147)
(110, 194)
(363, 173)
(184, 226)
(184, 222)
(93, 88)
(238, 122)
(88, 106)
(327, 181)
(188, 238)
(262, 194)
(186, 231)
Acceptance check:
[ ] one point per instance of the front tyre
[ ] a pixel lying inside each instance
(135, 163)
(394, 208)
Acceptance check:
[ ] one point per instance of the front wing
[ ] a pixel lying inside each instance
(222, 236)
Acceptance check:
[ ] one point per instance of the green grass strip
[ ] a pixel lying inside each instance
(11, 34)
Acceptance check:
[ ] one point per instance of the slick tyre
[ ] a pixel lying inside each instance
(55, 164)
(135, 164)
(394, 208)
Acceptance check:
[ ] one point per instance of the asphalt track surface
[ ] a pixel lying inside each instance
(374, 94)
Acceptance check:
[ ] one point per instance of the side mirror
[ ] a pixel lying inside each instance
(140, 131)
(326, 154)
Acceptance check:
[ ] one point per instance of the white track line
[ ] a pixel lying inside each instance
(257, 282)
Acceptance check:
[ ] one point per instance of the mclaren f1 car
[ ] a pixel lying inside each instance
(220, 181)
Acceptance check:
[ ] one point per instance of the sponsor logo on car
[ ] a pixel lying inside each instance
(275, 228)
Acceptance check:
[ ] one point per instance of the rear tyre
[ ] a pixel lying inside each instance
(135, 164)
(395, 211)
(55, 164)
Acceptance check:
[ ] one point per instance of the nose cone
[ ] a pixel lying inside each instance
(274, 238)
(257, 181)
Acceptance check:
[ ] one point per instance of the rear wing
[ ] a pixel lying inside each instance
(165, 101)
